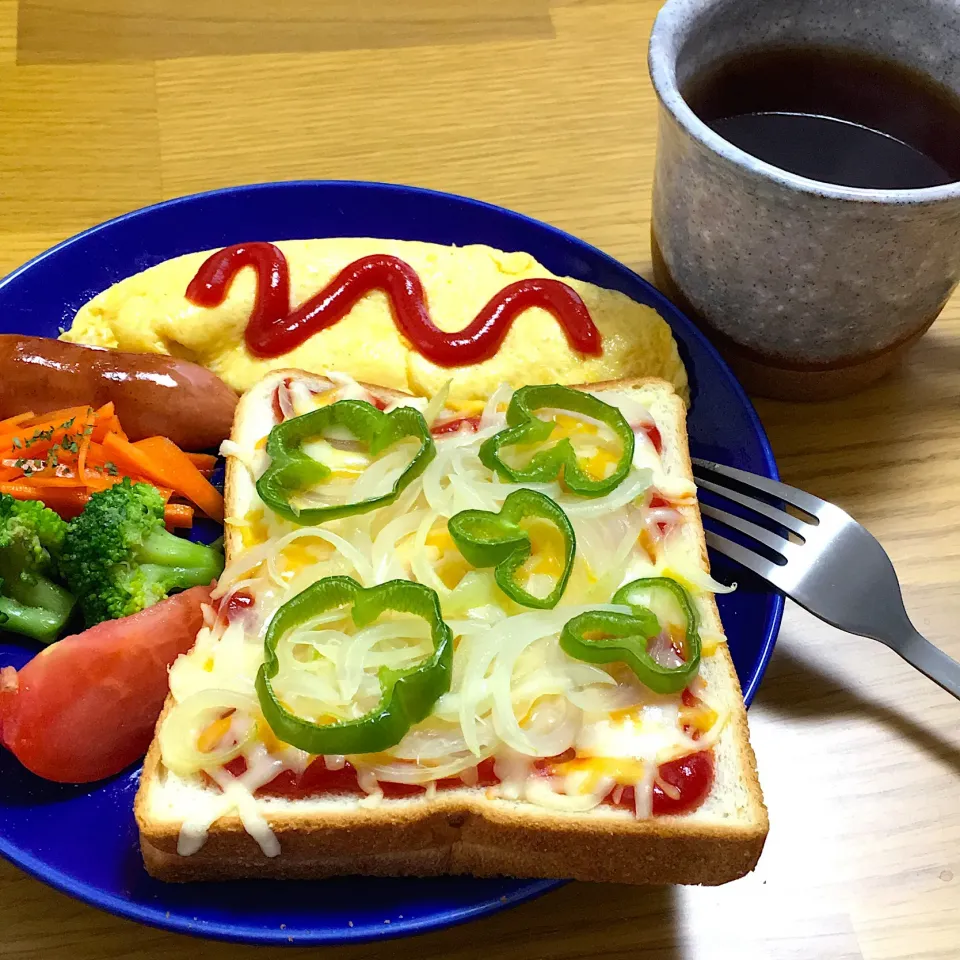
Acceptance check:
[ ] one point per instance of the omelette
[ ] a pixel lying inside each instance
(149, 313)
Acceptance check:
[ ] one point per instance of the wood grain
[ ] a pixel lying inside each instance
(77, 145)
(8, 31)
(58, 31)
(552, 128)
(550, 112)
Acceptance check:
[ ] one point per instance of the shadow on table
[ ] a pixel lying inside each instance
(798, 687)
(847, 450)
(580, 920)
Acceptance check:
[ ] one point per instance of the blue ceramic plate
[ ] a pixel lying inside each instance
(83, 840)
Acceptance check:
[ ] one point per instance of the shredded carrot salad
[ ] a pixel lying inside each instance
(63, 457)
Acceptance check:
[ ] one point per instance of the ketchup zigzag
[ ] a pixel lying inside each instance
(273, 329)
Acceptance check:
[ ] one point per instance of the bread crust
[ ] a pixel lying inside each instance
(464, 831)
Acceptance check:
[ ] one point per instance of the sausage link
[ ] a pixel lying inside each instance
(154, 395)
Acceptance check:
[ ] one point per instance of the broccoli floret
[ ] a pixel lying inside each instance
(118, 557)
(31, 538)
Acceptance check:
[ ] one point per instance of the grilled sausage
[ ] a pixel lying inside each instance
(154, 395)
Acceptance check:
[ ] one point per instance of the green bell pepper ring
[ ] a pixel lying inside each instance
(651, 593)
(546, 465)
(407, 696)
(497, 540)
(624, 636)
(291, 471)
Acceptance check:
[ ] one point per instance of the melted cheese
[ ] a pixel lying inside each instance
(515, 696)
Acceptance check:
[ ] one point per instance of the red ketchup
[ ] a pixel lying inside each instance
(317, 778)
(273, 329)
(691, 775)
(278, 413)
(653, 433)
(455, 426)
(235, 605)
(657, 501)
(211, 284)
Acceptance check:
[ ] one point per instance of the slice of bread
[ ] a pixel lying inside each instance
(464, 830)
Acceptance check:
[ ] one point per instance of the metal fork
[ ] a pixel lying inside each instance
(838, 570)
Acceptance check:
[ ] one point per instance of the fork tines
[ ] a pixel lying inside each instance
(779, 545)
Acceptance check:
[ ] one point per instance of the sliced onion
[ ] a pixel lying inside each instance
(422, 568)
(356, 553)
(661, 649)
(643, 792)
(551, 726)
(508, 666)
(437, 403)
(467, 495)
(436, 492)
(385, 471)
(491, 415)
(303, 390)
(248, 560)
(538, 790)
(508, 642)
(632, 409)
(349, 388)
(285, 401)
(281, 543)
(186, 721)
(350, 666)
(318, 687)
(670, 517)
(413, 773)
(607, 544)
(607, 699)
(434, 741)
(386, 565)
(631, 488)
(702, 580)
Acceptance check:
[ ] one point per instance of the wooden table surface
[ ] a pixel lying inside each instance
(543, 106)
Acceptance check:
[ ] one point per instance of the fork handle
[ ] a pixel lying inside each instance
(931, 661)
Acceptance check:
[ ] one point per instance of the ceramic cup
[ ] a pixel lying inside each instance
(811, 290)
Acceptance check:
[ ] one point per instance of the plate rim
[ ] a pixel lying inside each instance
(142, 913)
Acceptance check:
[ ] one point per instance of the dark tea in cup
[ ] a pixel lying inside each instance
(835, 115)
(806, 198)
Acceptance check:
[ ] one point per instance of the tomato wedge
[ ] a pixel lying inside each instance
(84, 708)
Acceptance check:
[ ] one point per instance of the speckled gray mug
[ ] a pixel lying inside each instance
(811, 290)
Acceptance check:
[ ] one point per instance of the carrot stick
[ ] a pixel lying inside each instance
(107, 422)
(105, 426)
(55, 416)
(163, 462)
(47, 481)
(191, 483)
(25, 432)
(178, 516)
(68, 502)
(89, 424)
(205, 462)
(11, 422)
(128, 459)
(70, 463)
(20, 491)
